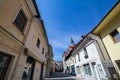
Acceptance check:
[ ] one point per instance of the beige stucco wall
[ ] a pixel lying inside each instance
(31, 42)
(8, 12)
(37, 70)
(36, 31)
(18, 72)
(39, 25)
(8, 43)
(112, 48)
(12, 47)
(12, 40)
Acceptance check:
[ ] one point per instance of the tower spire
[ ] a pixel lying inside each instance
(72, 42)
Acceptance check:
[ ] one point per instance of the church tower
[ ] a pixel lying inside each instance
(72, 44)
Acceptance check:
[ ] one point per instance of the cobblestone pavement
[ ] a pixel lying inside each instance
(61, 76)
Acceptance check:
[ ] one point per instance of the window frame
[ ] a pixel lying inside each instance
(75, 59)
(114, 34)
(85, 53)
(43, 50)
(118, 63)
(7, 65)
(38, 43)
(79, 57)
(87, 72)
(31, 62)
(78, 69)
(25, 22)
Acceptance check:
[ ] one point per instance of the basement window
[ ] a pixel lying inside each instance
(115, 36)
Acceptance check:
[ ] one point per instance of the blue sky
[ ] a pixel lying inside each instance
(64, 19)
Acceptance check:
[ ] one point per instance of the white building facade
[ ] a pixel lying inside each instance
(67, 59)
(90, 60)
(88, 64)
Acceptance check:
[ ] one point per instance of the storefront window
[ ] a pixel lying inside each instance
(28, 69)
(4, 63)
(78, 69)
(87, 70)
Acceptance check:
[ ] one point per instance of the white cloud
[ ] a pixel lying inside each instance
(64, 42)
(76, 37)
(57, 56)
(61, 42)
(58, 44)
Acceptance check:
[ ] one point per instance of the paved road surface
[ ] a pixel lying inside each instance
(61, 76)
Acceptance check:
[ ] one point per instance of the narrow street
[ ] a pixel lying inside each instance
(59, 39)
(61, 76)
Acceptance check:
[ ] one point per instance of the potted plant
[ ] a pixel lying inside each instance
(86, 56)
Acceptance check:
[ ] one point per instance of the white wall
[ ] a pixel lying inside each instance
(93, 56)
(76, 57)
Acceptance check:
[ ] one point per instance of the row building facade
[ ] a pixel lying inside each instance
(95, 56)
(109, 32)
(23, 41)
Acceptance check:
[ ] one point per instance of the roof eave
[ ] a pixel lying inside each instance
(109, 16)
(33, 8)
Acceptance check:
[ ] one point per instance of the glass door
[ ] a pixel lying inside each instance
(28, 69)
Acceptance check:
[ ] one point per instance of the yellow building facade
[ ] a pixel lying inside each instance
(109, 31)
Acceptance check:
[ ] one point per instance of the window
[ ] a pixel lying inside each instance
(28, 69)
(118, 63)
(72, 70)
(78, 56)
(87, 69)
(4, 63)
(85, 53)
(38, 43)
(78, 70)
(20, 20)
(43, 51)
(45, 55)
(75, 59)
(115, 36)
